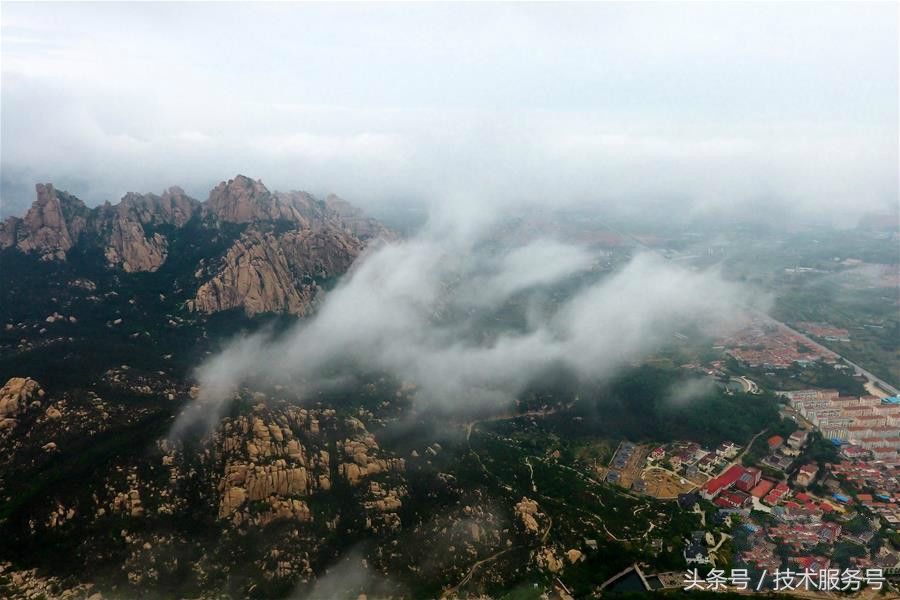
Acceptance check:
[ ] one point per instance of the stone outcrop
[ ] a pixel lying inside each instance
(256, 277)
(361, 450)
(129, 247)
(243, 200)
(127, 228)
(355, 221)
(50, 228)
(15, 397)
(527, 511)
(275, 459)
(129, 503)
(270, 461)
(285, 508)
(321, 253)
(547, 559)
(269, 251)
(57, 221)
(265, 272)
(258, 482)
(20, 584)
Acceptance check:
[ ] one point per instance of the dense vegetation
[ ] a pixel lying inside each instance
(640, 405)
(848, 280)
(797, 377)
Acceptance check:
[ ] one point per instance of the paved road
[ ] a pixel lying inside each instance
(810, 342)
(867, 374)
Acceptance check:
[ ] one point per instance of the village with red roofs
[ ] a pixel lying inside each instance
(824, 493)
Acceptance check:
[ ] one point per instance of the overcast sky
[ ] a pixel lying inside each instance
(710, 107)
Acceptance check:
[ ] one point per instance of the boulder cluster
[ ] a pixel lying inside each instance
(17, 396)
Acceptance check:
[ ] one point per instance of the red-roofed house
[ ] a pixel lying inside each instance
(775, 442)
(762, 488)
(715, 485)
(813, 563)
(773, 497)
(748, 479)
(732, 499)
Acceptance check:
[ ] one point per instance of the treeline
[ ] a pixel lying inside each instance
(648, 403)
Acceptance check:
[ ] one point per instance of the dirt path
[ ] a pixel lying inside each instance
(451, 591)
(531, 474)
(745, 450)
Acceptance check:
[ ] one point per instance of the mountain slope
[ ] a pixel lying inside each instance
(267, 252)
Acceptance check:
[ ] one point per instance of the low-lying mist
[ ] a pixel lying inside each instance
(429, 311)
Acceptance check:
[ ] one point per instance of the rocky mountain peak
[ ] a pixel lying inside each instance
(244, 200)
(174, 207)
(50, 227)
(288, 243)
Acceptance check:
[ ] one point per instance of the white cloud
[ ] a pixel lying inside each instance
(718, 106)
(413, 309)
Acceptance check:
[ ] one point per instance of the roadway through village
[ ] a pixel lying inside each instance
(884, 385)
(881, 383)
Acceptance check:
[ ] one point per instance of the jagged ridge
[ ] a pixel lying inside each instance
(284, 243)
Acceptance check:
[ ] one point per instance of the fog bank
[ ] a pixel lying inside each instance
(429, 311)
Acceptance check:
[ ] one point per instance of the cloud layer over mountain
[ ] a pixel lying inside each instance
(417, 309)
(736, 109)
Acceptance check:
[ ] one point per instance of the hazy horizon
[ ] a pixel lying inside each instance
(700, 109)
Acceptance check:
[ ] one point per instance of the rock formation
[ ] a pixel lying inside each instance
(265, 272)
(361, 226)
(255, 275)
(243, 200)
(127, 228)
(527, 511)
(50, 228)
(15, 397)
(269, 458)
(267, 252)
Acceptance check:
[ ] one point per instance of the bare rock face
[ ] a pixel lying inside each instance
(243, 200)
(355, 221)
(51, 227)
(547, 559)
(268, 252)
(17, 394)
(15, 397)
(313, 210)
(574, 555)
(275, 459)
(8, 232)
(528, 511)
(20, 584)
(325, 252)
(126, 228)
(269, 458)
(57, 221)
(265, 272)
(129, 247)
(255, 276)
(361, 459)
